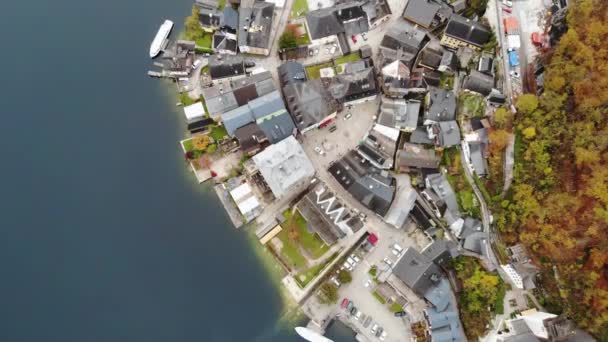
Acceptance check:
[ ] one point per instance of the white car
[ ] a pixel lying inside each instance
(348, 116)
(398, 248)
(514, 74)
(388, 261)
(358, 315)
(348, 266)
(508, 3)
(383, 336)
(367, 283)
(374, 328)
(395, 252)
(319, 150)
(356, 258)
(335, 281)
(196, 63)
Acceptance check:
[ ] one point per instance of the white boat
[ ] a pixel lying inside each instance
(311, 336)
(159, 40)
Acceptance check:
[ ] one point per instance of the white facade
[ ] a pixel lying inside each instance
(514, 276)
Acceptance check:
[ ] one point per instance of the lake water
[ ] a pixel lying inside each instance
(104, 235)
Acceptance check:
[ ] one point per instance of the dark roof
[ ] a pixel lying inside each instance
(467, 30)
(404, 36)
(347, 12)
(442, 105)
(258, 21)
(430, 58)
(485, 65)
(351, 86)
(421, 12)
(222, 42)
(309, 102)
(210, 17)
(417, 156)
(440, 252)
(245, 94)
(231, 18)
(249, 136)
(222, 66)
(201, 125)
(420, 136)
(479, 83)
(291, 71)
(375, 190)
(417, 271)
(323, 23)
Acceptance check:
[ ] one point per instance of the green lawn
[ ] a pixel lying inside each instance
(311, 242)
(314, 71)
(298, 9)
(395, 307)
(379, 297)
(352, 57)
(471, 105)
(291, 252)
(218, 132)
(303, 278)
(205, 41)
(221, 4)
(188, 145)
(185, 99)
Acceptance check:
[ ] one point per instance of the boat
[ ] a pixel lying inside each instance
(159, 40)
(311, 336)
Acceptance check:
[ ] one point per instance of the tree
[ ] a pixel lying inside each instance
(288, 40)
(344, 277)
(527, 103)
(503, 117)
(328, 293)
(200, 142)
(529, 132)
(193, 27)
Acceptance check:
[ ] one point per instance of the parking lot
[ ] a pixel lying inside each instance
(369, 313)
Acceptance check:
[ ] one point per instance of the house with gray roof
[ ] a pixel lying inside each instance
(224, 43)
(430, 56)
(251, 138)
(270, 114)
(416, 157)
(237, 118)
(449, 62)
(255, 28)
(417, 271)
(209, 4)
(326, 215)
(479, 83)
(404, 202)
(438, 184)
(399, 113)
(464, 32)
(440, 252)
(323, 23)
(444, 326)
(226, 67)
(291, 72)
(478, 162)
(422, 12)
(210, 18)
(228, 95)
(445, 133)
(354, 87)
(421, 136)
(284, 166)
(310, 103)
(373, 188)
(402, 41)
(231, 20)
(441, 106)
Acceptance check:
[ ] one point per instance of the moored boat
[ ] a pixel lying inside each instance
(159, 40)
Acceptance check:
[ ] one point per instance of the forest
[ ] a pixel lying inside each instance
(558, 203)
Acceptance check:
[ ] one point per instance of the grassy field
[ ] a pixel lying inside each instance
(303, 278)
(290, 252)
(218, 132)
(298, 9)
(304, 39)
(205, 41)
(471, 105)
(395, 307)
(311, 242)
(352, 57)
(464, 192)
(188, 145)
(314, 71)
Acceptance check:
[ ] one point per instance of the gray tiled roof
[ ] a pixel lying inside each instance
(417, 271)
(417, 156)
(420, 136)
(479, 82)
(237, 118)
(442, 105)
(477, 159)
(438, 182)
(421, 12)
(309, 102)
(467, 30)
(323, 23)
(291, 71)
(448, 133)
(258, 20)
(399, 113)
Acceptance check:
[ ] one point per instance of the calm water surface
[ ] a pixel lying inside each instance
(103, 234)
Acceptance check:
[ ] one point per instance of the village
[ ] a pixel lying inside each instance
(357, 140)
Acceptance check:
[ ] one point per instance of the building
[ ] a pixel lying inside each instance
(246, 201)
(284, 167)
(224, 43)
(291, 72)
(373, 188)
(404, 202)
(194, 112)
(441, 106)
(210, 18)
(251, 138)
(378, 146)
(354, 87)
(255, 28)
(402, 41)
(440, 252)
(226, 68)
(532, 325)
(323, 26)
(422, 12)
(231, 20)
(479, 83)
(445, 133)
(399, 113)
(439, 192)
(326, 215)
(416, 157)
(310, 104)
(464, 32)
(200, 126)
(431, 56)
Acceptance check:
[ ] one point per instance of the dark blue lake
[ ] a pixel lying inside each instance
(104, 235)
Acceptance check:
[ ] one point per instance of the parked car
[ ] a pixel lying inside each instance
(379, 332)
(383, 336)
(374, 328)
(398, 248)
(388, 261)
(400, 313)
(351, 261)
(364, 36)
(367, 322)
(196, 63)
(335, 281)
(354, 38)
(311, 52)
(514, 74)
(349, 306)
(507, 9)
(507, 3)
(358, 315)
(348, 116)
(347, 266)
(354, 310)
(367, 283)
(356, 258)
(344, 303)
(395, 252)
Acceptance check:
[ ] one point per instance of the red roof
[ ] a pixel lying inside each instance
(511, 24)
(372, 238)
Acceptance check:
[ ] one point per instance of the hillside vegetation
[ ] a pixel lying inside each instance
(558, 204)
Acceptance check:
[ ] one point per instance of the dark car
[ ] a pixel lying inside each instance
(379, 332)
(353, 311)
(400, 313)
(349, 306)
